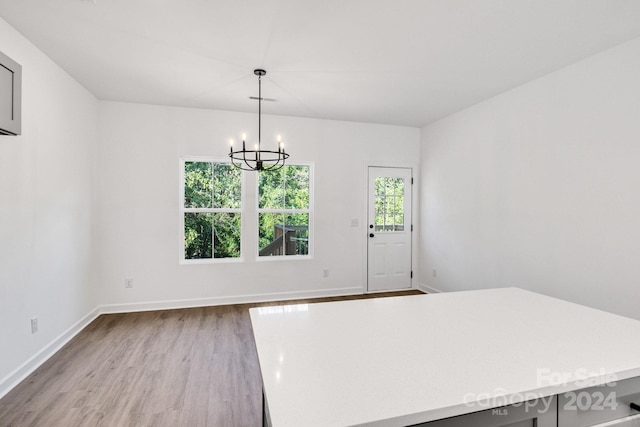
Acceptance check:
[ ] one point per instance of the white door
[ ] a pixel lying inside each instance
(389, 229)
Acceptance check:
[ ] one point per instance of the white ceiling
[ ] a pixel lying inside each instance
(404, 62)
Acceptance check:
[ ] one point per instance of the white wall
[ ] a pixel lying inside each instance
(45, 210)
(540, 187)
(89, 196)
(138, 218)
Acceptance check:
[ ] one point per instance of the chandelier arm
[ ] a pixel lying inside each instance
(276, 165)
(234, 159)
(244, 158)
(271, 167)
(278, 162)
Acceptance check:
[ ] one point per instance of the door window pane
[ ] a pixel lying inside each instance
(399, 187)
(380, 185)
(389, 204)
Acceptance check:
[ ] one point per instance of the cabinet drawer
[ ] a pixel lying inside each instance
(633, 421)
(600, 405)
(538, 413)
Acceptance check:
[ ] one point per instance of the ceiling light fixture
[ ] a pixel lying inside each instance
(258, 159)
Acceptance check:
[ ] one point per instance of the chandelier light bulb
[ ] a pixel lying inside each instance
(244, 137)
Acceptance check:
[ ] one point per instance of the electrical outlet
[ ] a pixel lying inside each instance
(325, 272)
(34, 325)
(128, 282)
(355, 222)
(435, 272)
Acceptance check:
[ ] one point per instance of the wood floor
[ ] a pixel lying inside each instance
(187, 367)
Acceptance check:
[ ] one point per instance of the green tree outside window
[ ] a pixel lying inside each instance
(212, 210)
(284, 211)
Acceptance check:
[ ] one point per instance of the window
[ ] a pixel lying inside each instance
(215, 224)
(211, 210)
(284, 211)
(389, 200)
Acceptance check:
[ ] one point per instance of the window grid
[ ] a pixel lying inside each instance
(204, 206)
(389, 204)
(211, 211)
(284, 212)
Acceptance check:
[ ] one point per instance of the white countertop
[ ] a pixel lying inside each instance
(405, 360)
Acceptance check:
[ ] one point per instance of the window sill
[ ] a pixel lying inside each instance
(284, 258)
(202, 261)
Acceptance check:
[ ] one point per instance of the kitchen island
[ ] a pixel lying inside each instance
(409, 360)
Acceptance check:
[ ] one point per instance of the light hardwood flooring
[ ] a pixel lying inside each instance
(186, 367)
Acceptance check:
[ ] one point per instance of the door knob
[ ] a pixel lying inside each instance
(370, 234)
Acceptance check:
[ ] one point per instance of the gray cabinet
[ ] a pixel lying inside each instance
(10, 96)
(539, 413)
(606, 405)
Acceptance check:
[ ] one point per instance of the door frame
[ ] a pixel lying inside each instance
(415, 202)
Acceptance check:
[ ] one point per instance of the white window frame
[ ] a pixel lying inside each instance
(183, 210)
(309, 211)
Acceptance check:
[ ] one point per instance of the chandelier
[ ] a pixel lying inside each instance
(258, 159)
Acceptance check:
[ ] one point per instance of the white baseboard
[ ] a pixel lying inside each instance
(24, 370)
(240, 299)
(34, 362)
(428, 289)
